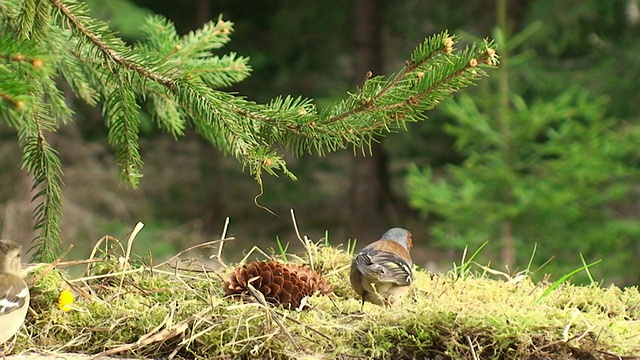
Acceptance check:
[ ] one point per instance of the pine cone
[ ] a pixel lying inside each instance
(279, 283)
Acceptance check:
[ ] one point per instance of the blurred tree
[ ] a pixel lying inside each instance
(593, 43)
(176, 79)
(369, 188)
(556, 172)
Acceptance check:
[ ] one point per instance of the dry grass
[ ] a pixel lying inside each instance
(133, 308)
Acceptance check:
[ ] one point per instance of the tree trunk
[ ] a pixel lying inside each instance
(508, 251)
(369, 185)
(204, 12)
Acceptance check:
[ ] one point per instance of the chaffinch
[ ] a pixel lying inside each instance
(14, 293)
(381, 272)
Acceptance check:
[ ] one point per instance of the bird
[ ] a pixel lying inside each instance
(14, 293)
(381, 272)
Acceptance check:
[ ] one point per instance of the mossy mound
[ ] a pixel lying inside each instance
(130, 308)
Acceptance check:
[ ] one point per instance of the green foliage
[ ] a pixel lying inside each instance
(563, 279)
(177, 79)
(282, 248)
(556, 172)
(591, 42)
(43, 164)
(124, 16)
(462, 270)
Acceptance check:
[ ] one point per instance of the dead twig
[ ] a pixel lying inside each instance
(201, 245)
(305, 241)
(260, 298)
(154, 335)
(52, 265)
(473, 351)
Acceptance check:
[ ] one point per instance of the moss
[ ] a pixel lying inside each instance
(184, 312)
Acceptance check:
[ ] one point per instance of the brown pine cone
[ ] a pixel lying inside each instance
(283, 284)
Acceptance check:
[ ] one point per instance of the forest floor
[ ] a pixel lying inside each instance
(62, 356)
(124, 306)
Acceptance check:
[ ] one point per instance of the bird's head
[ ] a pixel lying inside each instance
(399, 235)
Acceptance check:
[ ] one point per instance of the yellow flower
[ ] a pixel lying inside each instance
(65, 300)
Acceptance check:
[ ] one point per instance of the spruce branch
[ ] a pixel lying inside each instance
(383, 103)
(18, 104)
(33, 22)
(177, 80)
(107, 50)
(121, 113)
(75, 68)
(43, 163)
(410, 66)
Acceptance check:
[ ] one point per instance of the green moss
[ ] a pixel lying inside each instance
(443, 315)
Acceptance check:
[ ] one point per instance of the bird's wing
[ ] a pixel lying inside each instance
(384, 267)
(13, 293)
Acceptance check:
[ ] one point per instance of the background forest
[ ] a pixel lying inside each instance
(541, 159)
